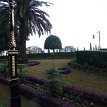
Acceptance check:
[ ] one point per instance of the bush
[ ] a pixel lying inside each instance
(74, 63)
(94, 58)
(54, 86)
(4, 69)
(50, 55)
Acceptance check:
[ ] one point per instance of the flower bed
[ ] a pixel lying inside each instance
(70, 90)
(43, 99)
(65, 70)
(38, 80)
(83, 93)
(86, 94)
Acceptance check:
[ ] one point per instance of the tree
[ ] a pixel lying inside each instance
(52, 42)
(29, 19)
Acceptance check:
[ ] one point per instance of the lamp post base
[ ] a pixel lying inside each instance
(14, 94)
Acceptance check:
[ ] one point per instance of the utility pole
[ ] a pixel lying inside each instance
(14, 94)
(99, 47)
(99, 40)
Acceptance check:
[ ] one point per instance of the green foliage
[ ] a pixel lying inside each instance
(54, 86)
(74, 63)
(21, 67)
(53, 74)
(29, 19)
(4, 69)
(52, 42)
(50, 55)
(95, 58)
(22, 72)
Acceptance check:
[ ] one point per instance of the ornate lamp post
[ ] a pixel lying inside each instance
(14, 95)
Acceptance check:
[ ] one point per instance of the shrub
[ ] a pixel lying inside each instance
(4, 69)
(74, 63)
(95, 58)
(54, 86)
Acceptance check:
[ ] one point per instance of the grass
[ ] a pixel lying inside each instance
(77, 78)
(40, 70)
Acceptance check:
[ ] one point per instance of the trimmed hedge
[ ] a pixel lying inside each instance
(50, 55)
(47, 55)
(95, 58)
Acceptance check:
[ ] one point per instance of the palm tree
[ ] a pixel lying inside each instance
(29, 19)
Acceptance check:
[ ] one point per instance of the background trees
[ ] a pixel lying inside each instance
(29, 19)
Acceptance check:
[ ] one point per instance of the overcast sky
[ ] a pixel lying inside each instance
(75, 22)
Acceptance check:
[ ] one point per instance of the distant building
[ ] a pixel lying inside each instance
(69, 49)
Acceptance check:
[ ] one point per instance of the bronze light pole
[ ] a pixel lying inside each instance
(14, 94)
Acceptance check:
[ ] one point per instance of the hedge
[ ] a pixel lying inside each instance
(50, 55)
(95, 58)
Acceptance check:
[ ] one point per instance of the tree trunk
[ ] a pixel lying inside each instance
(22, 42)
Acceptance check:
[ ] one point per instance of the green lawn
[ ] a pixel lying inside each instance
(77, 78)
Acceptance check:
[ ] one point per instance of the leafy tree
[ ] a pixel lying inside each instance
(29, 19)
(52, 42)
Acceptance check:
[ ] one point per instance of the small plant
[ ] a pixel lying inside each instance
(21, 67)
(74, 63)
(54, 86)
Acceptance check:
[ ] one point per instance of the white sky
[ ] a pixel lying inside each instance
(75, 22)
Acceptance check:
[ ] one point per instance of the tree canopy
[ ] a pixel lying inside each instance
(29, 19)
(52, 42)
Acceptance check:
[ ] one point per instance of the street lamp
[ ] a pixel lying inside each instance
(99, 47)
(14, 95)
(99, 40)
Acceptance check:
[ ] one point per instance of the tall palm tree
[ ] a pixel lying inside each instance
(29, 19)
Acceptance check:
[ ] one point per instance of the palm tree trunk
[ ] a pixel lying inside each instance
(22, 42)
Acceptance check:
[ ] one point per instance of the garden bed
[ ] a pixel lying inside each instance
(94, 98)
